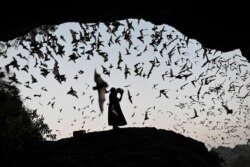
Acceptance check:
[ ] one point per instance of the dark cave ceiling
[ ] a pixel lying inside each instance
(216, 26)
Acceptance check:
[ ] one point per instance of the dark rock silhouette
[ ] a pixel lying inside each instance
(239, 156)
(124, 147)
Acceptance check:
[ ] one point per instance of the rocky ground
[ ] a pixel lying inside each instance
(123, 147)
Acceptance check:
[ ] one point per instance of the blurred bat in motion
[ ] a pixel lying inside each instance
(101, 86)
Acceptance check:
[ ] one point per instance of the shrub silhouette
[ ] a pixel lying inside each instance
(19, 126)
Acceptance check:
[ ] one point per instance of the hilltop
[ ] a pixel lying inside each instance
(124, 147)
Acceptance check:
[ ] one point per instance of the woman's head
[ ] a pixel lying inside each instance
(112, 90)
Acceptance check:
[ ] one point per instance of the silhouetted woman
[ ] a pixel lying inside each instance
(115, 115)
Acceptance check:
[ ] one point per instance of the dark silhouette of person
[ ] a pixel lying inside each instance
(115, 115)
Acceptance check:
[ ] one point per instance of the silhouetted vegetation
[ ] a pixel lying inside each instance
(239, 156)
(19, 126)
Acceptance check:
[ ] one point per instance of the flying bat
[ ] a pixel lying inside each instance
(72, 92)
(101, 86)
(130, 97)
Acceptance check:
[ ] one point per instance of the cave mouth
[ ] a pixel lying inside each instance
(157, 54)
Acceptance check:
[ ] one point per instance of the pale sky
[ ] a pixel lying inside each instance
(225, 81)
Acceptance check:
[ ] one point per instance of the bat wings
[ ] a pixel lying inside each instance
(101, 86)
